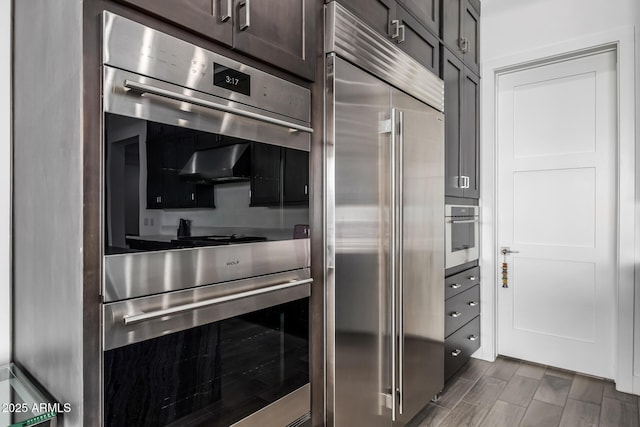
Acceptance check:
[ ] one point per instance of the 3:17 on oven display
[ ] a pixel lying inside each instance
(231, 79)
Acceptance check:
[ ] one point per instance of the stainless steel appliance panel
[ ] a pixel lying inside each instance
(140, 319)
(187, 108)
(361, 325)
(462, 234)
(131, 46)
(420, 147)
(355, 41)
(146, 273)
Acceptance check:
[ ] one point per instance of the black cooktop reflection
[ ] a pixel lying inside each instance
(193, 241)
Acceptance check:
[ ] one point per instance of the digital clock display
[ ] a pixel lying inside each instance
(231, 79)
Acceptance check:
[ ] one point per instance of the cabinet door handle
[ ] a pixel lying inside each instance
(193, 196)
(464, 44)
(395, 24)
(306, 190)
(455, 286)
(245, 23)
(455, 314)
(473, 278)
(473, 337)
(401, 32)
(473, 303)
(159, 199)
(456, 352)
(226, 13)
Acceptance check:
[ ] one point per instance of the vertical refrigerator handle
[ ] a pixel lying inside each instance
(400, 249)
(393, 223)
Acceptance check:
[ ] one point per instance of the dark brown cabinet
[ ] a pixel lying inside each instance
(426, 11)
(210, 18)
(279, 32)
(401, 25)
(462, 319)
(417, 41)
(461, 29)
(167, 152)
(462, 102)
(280, 176)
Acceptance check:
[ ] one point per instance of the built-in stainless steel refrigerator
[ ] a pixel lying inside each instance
(384, 213)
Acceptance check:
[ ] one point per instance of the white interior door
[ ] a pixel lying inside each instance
(557, 139)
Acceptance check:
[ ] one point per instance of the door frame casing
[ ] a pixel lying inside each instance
(622, 40)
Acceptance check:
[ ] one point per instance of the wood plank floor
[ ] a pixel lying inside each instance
(511, 393)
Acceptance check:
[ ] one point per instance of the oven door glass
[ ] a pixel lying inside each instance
(173, 187)
(463, 235)
(213, 375)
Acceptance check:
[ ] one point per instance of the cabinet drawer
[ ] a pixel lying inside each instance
(461, 282)
(460, 346)
(461, 309)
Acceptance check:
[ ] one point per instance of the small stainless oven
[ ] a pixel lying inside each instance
(206, 267)
(461, 234)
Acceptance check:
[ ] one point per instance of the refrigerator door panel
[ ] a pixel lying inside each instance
(421, 276)
(359, 152)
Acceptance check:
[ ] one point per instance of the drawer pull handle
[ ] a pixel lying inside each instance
(456, 352)
(455, 286)
(473, 278)
(455, 314)
(473, 303)
(473, 337)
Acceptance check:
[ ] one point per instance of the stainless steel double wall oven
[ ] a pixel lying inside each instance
(206, 237)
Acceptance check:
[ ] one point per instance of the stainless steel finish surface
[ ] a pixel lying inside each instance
(395, 23)
(131, 319)
(384, 209)
(394, 263)
(508, 251)
(422, 205)
(225, 13)
(131, 46)
(216, 164)
(461, 256)
(465, 221)
(148, 89)
(282, 412)
(402, 34)
(473, 303)
(329, 241)
(353, 40)
(147, 273)
(399, 204)
(455, 314)
(120, 100)
(47, 201)
(117, 334)
(245, 20)
(358, 244)
(455, 285)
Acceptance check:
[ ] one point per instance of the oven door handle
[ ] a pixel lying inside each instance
(463, 221)
(144, 88)
(131, 319)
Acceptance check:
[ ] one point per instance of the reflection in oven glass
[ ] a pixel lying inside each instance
(170, 187)
(211, 375)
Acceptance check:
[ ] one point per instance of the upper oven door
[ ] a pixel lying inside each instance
(206, 166)
(461, 235)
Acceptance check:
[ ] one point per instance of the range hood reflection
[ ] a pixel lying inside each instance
(231, 163)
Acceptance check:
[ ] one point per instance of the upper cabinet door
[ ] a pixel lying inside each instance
(211, 18)
(376, 13)
(426, 11)
(470, 131)
(460, 31)
(417, 41)
(470, 37)
(281, 32)
(453, 75)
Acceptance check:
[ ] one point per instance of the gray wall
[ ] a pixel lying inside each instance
(48, 198)
(5, 180)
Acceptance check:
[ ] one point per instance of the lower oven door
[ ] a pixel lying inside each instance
(228, 354)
